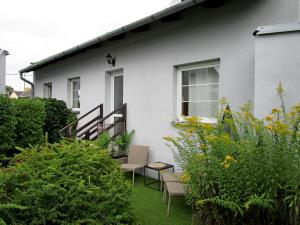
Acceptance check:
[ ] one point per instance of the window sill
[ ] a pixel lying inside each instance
(76, 111)
(178, 122)
(211, 121)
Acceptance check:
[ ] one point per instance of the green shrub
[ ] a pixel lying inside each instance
(57, 117)
(123, 141)
(250, 175)
(7, 125)
(75, 183)
(30, 116)
(117, 147)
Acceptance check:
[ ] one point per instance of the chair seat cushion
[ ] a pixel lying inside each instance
(175, 188)
(130, 167)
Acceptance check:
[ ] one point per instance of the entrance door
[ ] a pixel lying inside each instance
(117, 92)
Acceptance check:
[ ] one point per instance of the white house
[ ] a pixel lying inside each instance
(180, 62)
(3, 54)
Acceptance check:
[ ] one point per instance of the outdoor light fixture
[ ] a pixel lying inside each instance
(110, 60)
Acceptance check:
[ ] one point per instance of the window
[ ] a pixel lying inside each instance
(48, 90)
(198, 90)
(75, 93)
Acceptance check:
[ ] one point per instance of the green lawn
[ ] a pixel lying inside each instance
(149, 208)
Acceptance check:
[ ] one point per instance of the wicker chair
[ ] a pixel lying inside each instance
(137, 159)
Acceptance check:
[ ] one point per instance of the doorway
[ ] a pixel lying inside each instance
(116, 92)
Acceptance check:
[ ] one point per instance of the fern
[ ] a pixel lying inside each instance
(224, 203)
(260, 201)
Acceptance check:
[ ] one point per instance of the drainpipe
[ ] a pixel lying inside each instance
(28, 82)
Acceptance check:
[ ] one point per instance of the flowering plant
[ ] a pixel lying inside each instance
(242, 170)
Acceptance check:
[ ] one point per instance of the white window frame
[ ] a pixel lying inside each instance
(46, 88)
(117, 73)
(180, 70)
(71, 80)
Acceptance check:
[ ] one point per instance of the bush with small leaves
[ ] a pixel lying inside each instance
(7, 125)
(65, 183)
(30, 115)
(57, 116)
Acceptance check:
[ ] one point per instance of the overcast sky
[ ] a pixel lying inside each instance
(31, 30)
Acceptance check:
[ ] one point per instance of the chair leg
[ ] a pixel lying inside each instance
(133, 178)
(165, 194)
(168, 212)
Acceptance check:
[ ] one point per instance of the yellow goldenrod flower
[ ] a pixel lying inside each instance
(207, 126)
(228, 157)
(190, 130)
(269, 127)
(226, 165)
(269, 118)
(192, 120)
(211, 138)
(275, 110)
(185, 177)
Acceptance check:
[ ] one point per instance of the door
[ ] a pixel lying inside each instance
(117, 92)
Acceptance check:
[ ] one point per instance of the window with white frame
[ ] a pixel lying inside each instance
(198, 90)
(48, 90)
(75, 93)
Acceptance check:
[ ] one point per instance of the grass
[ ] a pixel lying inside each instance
(149, 209)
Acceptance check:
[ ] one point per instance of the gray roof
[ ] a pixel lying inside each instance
(278, 28)
(132, 26)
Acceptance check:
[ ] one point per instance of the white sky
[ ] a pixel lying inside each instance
(31, 30)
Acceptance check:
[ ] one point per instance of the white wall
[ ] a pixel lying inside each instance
(276, 60)
(149, 59)
(2, 71)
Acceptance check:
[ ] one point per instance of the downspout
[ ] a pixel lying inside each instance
(28, 82)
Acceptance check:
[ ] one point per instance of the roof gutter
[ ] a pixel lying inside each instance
(28, 82)
(156, 16)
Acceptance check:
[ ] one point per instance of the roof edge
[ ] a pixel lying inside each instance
(277, 29)
(146, 20)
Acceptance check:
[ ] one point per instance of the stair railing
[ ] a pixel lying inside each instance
(97, 126)
(68, 130)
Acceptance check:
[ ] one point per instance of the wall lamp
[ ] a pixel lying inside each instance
(110, 60)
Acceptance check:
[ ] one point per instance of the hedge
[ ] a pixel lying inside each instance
(7, 125)
(57, 117)
(30, 116)
(65, 183)
(25, 122)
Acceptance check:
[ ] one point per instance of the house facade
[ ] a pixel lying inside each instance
(180, 62)
(3, 54)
